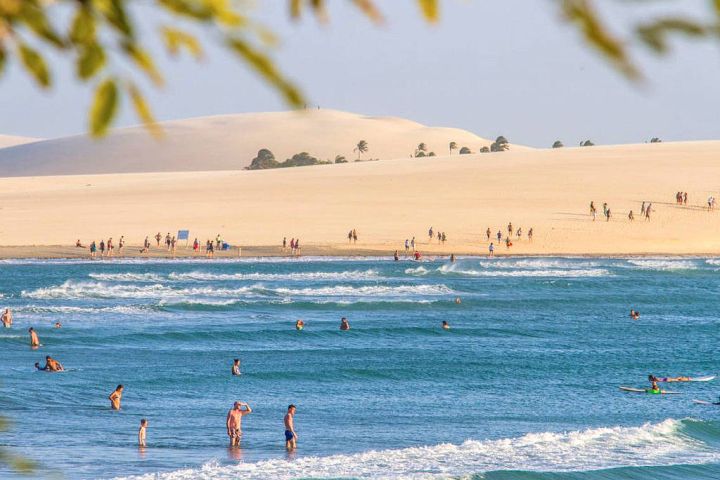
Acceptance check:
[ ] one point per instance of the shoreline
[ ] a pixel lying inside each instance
(62, 252)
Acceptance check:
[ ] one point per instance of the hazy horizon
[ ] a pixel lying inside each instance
(511, 69)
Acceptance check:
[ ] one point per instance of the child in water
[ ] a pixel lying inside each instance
(141, 432)
(299, 325)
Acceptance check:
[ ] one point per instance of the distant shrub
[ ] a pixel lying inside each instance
(557, 144)
(655, 140)
(340, 159)
(484, 150)
(500, 144)
(265, 159)
(465, 151)
(587, 143)
(431, 154)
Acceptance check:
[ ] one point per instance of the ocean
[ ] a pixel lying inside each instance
(524, 385)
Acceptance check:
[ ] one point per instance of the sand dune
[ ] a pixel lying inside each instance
(389, 201)
(230, 142)
(11, 141)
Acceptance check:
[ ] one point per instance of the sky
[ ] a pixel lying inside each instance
(510, 67)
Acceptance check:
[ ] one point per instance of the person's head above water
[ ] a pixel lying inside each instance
(291, 408)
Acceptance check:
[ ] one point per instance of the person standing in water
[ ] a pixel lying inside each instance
(299, 325)
(491, 250)
(344, 324)
(115, 397)
(290, 434)
(445, 325)
(396, 256)
(233, 422)
(53, 365)
(141, 433)
(34, 340)
(236, 367)
(7, 318)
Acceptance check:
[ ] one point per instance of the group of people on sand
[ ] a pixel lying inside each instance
(511, 231)
(441, 236)
(681, 198)
(607, 213)
(352, 236)
(294, 245)
(104, 249)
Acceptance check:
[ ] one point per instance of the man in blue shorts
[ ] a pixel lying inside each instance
(290, 435)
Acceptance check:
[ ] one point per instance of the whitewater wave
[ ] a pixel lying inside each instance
(488, 270)
(713, 261)
(663, 443)
(664, 264)
(210, 277)
(67, 309)
(76, 290)
(126, 277)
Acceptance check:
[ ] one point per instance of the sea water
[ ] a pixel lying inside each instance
(524, 385)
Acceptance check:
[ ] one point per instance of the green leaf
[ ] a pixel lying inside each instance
(176, 40)
(83, 26)
(143, 111)
(34, 64)
(115, 14)
(33, 15)
(583, 15)
(2, 59)
(429, 9)
(143, 60)
(188, 8)
(654, 34)
(265, 67)
(90, 61)
(104, 107)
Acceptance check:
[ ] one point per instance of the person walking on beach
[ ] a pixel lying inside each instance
(7, 318)
(349, 236)
(647, 212)
(34, 340)
(491, 250)
(430, 234)
(168, 239)
(412, 243)
(210, 249)
(102, 248)
(284, 247)
(110, 247)
(236, 367)
(510, 229)
(290, 434)
(593, 210)
(530, 234)
(173, 242)
(642, 210)
(93, 249)
(631, 217)
(396, 257)
(519, 233)
(141, 433)
(354, 233)
(146, 245)
(115, 397)
(121, 244)
(685, 198)
(158, 237)
(607, 215)
(407, 246)
(344, 324)
(488, 233)
(233, 422)
(499, 236)
(605, 209)
(297, 246)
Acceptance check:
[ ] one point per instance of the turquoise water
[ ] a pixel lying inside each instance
(523, 385)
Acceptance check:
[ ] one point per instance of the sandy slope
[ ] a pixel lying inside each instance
(11, 141)
(230, 142)
(389, 201)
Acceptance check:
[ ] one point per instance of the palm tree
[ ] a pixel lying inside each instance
(453, 146)
(421, 149)
(361, 147)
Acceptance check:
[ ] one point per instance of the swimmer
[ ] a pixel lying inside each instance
(654, 388)
(344, 324)
(38, 367)
(634, 314)
(445, 325)
(7, 318)
(58, 325)
(236, 367)
(299, 325)
(234, 422)
(452, 258)
(141, 432)
(53, 365)
(417, 255)
(115, 397)
(34, 340)
(653, 379)
(290, 434)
